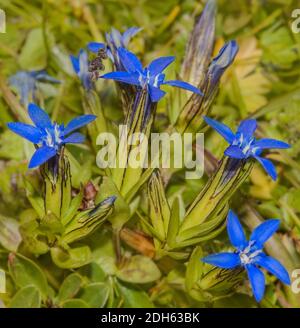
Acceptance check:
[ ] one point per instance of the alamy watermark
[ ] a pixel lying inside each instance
(2, 21)
(296, 23)
(159, 150)
(2, 282)
(296, 281)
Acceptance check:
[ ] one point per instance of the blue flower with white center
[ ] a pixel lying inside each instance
(114, 41)
(243, 144)
(49, 137)
(81, 68)
(250, 255)
(26, 84)
(150, 78)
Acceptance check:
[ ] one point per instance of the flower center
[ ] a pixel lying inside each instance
(245, 144)
(146, 79)
(53, 137)
(249, 253)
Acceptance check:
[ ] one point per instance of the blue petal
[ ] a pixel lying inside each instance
(78, 122)
(183, 85)
(275, 267)
(159, 64)
(44, 77)
(222, 129)
(25, 85)
(257, 281)
(115, 37)
(39, 117)
(41, 156)
(235, 231)
(124, 77)
(224, 59)
(75, 63)
(226, 55)
(268, 166)
(26, 131)
(130, 61)
(83, 62)
(109, 200)
(247, 128)
(264, 231)
(271, 144)
(155, 93)
(223, 260)
(74, 138)
(95, 46)
(235, 152)
(128, 34)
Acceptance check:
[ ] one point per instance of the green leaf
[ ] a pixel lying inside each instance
(122, 211)
(194, 268)
(94, 272)
(235, 301)
(92, 105)
(159, 207)
(149, 228)
(33, 244)
(36, 202)
(51, 223)
(139, 269)
(217, 192)
(143, 179)
(205, 228)
(103, 252)
(70, 287)
(25, 272)
(76, 303)
(26, 297)
(174, 223)
(57, 187)
(74, 206)
(95, 294)
(126, 176)
(71, 258)
(10, 237)
(11, 146)
(33, 54)
(133, 297)
(86, 222)
(221, 281)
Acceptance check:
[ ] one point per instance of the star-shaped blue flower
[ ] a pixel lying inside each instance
(151, 77)
(81, 68)
(26, 83)
(244, 145)
(50, 137)
(250, 255)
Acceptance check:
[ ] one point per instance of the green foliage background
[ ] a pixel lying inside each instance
(263, 83)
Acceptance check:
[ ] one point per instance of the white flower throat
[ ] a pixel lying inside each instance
(53, 136)
(248, 255)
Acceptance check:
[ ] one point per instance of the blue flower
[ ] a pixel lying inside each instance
(244, 145)
(250, 255)
(50, 137)
(114, 41)
(223, 60)
(26, 83)
(81, 68)
(151, 77)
